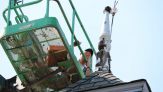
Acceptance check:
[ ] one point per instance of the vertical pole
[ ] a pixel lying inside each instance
(47, 9)
(9, 12)
(73, 25)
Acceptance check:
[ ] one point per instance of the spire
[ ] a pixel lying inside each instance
(104, 46)
(103, 55)
(105, 33)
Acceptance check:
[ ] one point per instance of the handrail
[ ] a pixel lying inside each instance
(68, 24)
(66, 19)
(18, 6)
(77, 16)
(72, 28)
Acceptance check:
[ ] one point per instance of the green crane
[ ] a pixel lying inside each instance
(38, 49)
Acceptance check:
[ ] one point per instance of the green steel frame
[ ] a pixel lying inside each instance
(47, 21)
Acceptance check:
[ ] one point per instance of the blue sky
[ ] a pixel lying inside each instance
(136, 40)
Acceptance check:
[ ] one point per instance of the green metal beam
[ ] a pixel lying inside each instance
(9, 12)
(64, 15)
(47, 9)
(66, 19)
(77, 16)
(73, 27)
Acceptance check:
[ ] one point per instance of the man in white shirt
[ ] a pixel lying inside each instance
(85, 65)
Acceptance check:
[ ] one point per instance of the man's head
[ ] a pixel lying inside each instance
(88, 52)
